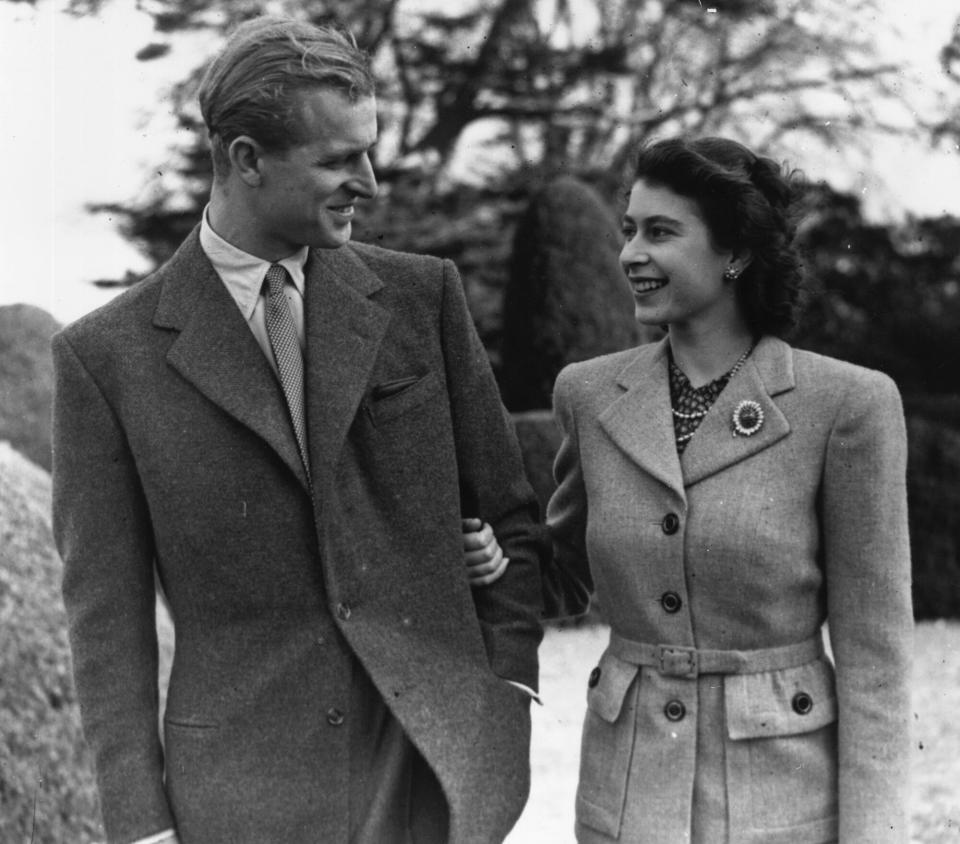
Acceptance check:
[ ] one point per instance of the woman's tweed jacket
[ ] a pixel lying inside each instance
(743, 543)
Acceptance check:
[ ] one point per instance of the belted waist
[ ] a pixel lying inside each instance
(681, 661)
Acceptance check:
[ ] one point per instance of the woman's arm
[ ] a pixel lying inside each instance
(867, 558)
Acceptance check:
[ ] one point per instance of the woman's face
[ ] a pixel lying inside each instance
(674, 271)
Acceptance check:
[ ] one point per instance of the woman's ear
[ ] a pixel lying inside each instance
(739, 261)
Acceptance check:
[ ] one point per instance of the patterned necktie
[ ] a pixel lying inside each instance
(286, 350)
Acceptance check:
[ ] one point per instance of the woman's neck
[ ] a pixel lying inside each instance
(706, 355)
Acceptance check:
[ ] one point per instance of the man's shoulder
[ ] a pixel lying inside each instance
(380, 259)
(133, 307)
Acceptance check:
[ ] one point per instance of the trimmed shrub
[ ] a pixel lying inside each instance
(933, 489)
(26, 380)
(47, 792)
(566, 299)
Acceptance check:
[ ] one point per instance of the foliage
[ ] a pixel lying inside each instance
(934, 498)
(47, 792)
(566, 300)
(887, 297)
(949, 127)
(555, 87)
(26, 380)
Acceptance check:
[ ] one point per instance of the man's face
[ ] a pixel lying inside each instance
(306, 194)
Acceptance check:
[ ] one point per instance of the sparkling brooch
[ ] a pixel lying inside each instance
(747, 419)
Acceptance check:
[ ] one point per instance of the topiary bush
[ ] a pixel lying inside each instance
(26, 380)
(47, 793)
(933, 489)
(566, 299)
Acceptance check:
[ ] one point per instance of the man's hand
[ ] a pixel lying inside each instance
(482, 553)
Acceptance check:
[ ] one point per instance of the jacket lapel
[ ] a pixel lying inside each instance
(639, 421)
(766, 373)
(344, 330)
(217, 353)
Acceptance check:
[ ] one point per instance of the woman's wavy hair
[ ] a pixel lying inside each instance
(250, 87)
(748, 202)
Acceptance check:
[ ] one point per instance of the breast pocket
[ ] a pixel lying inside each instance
(396, 397)
(782, 754)
(607, 744)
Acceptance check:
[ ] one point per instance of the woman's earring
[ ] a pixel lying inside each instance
(731, 273)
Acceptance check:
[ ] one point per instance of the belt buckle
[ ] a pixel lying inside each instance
(678, 661)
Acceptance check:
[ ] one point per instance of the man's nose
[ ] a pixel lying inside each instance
(363, 182)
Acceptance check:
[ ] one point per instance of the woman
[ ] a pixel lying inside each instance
(725, 496)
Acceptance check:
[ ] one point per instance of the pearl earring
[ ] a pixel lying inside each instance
(731, 274)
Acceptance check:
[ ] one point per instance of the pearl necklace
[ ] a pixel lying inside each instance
(699, 414)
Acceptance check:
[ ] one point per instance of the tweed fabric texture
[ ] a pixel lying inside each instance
(739, 543)
(174, 455)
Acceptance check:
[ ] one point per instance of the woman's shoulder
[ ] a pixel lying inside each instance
(588, 375)
(849, 383)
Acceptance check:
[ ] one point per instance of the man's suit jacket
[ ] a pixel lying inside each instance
(174, 453)
(741, 543)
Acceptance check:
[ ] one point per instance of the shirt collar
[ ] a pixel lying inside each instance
(243, 273)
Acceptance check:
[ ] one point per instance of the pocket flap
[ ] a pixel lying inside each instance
(613, 678)
(780, 703)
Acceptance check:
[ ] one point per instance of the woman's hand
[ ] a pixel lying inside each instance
(482, 553)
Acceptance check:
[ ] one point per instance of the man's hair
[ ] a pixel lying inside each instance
(251, 87)
(747, 202)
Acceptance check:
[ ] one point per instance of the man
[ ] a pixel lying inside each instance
(285, 430)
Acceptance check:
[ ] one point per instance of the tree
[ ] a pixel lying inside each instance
(949, 127)
(559, 86)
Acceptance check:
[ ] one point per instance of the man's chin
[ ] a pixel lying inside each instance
(333, 239)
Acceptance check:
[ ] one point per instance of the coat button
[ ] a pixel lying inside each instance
(334, 717)
(670, 524)
(343, 612)
(594, 677)
(802, 703)
(674, 710)
(671, 602)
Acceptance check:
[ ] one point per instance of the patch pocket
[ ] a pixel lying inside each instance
(780, 703)
(607, 744)
(394, 398)
(782, 753)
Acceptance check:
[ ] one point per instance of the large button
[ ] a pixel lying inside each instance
(343, 611)
(594, 677)
(671, 602)
(670, 523)
(334, 717)
(674, 710)
(802, 703)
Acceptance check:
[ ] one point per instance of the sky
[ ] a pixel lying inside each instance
(84, 122)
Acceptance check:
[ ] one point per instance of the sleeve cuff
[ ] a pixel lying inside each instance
(527, 690)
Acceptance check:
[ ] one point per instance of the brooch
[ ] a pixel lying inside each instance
(747, 419)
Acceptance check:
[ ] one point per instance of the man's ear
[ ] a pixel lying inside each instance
(245, 154)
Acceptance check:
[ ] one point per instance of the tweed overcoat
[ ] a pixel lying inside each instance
(742, 544)
(175, 458)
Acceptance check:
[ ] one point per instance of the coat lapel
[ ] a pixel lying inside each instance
(217, 353)
(344, 330)
(766, 373)
(639, 421)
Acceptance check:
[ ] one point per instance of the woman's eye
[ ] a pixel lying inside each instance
(628, 232)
